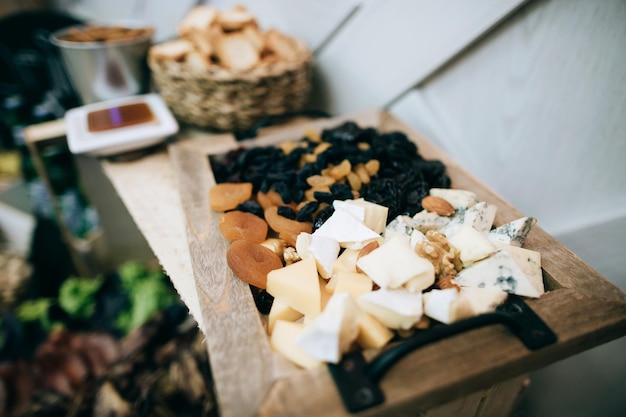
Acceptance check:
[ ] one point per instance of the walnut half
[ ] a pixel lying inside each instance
(440, 253)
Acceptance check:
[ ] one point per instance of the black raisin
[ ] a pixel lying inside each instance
(262, 299)
(287, 212)
(322, 216)
(306, 212)
(341, 191)
(251, 206)
(324, 197)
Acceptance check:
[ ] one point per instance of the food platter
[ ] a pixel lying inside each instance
(580, 306)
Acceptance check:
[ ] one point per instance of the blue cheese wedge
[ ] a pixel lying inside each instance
(472, 245)
(396, 309)
(332, 333)
(402, 225)
(529, 262)
(480, 216)
(500, 270)
(395, 263)
(513, 233)
(461, 200)
(347, 230)
(426, 220)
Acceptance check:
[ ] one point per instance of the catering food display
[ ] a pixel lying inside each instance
(224, 72)
(351, 238)
(468, 367)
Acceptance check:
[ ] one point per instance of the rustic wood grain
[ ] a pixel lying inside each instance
(581, 307)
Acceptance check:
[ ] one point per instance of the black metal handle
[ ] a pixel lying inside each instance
(357, 381)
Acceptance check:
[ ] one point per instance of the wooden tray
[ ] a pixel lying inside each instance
(583, 308)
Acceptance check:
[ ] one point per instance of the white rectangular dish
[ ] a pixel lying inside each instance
(120, 125)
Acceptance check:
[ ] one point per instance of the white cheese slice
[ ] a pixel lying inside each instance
(529, 262)
(375, 214)
(472, 245)
(501, 271)
(426, 220)
(323, 249)
(333, 331)
(347, 230)
(358, 212)
(438, 304)
(480, 216)
(283, 341)
(396, 309)
(394, 263)
(459, 199)
(513, 233)
(297, 285)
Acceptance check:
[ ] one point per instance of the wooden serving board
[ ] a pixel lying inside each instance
(583, 308)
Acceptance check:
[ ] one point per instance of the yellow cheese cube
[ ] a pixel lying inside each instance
(297, 285)
(280, 311)
(353, 283)
(282, 341)
(372, 333)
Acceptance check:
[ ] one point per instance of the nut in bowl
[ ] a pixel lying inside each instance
(225, 73)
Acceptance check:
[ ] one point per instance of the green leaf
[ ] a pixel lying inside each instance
(77, 296)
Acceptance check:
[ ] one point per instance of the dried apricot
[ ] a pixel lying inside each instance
(287, 229)
(241, 225)
(228, 195)
(251, 262)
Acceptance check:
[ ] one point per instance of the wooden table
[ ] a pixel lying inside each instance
(479, 373)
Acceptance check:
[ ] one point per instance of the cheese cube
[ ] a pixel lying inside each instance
(347, 230)
(472, 245)
(501, 271)
(473, 301)
(395, 263)
(513, 233)
(323, 249)
(396, 309)
(346, 261)
(280, 311)
(353, 283)
(372, 333)
(438, 304)
(283, 341)
(333, 331)
(297, 285)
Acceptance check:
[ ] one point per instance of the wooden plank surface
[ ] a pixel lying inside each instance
(581, 307)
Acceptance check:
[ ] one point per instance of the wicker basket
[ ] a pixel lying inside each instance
(219, 99)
